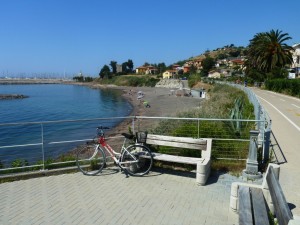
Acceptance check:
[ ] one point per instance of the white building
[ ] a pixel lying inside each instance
(296, 58)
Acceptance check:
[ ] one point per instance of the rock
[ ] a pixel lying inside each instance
(169, 83)
(12, 96)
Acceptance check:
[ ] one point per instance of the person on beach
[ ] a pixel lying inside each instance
(146, 104)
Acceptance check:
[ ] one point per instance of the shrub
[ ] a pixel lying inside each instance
(130, 80)
(19, 163)
(290, 87)
(219, 106)
(194, 79)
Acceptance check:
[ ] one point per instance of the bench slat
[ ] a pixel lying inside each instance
(245, 213)
(259, 207)
(177, 159)
(179, 142)
(282, 210)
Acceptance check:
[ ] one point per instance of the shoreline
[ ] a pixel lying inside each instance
(162, 102)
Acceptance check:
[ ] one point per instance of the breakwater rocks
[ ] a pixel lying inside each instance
(12, 96)
(34, 81)
(170, 83)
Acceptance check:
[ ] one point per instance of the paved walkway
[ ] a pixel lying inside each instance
(285, 114)
(111, 198)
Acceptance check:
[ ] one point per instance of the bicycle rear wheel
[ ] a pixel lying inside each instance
(137, 160)
(90, 159)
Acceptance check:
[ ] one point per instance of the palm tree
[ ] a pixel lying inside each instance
(268, 51)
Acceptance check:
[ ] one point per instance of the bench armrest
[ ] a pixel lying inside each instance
(234, 195)
(203, 171)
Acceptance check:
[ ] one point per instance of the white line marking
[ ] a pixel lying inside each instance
(296, 106)
(282, 95)
(291, 122)
(282, 100)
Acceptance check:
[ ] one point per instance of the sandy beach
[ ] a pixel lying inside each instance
(162, 101)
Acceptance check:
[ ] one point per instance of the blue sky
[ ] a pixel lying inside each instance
(53, 36)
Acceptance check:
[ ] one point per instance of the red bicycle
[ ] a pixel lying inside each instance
(136, 159)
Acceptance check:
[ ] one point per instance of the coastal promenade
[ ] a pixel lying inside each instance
(285, 113)
(162, 197)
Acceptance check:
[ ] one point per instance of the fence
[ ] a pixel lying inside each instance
(265, 126)
(53, 144)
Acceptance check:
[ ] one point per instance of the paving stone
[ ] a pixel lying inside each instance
(162, 197)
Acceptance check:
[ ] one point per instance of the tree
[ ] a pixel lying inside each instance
(78, 78)
(124, 67)
(235, 53)
(267, 51)
(193, 69)
(207, 64)
(113, 65)
(161, 67)
(104, 72)
(130, 65)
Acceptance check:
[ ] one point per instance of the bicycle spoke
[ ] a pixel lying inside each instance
(90, 160)
(137, 160)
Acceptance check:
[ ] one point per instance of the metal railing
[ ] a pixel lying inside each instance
(265, 127)
(53, 144)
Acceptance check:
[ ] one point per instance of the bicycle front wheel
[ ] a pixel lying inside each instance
(90, 160)
(137, 160)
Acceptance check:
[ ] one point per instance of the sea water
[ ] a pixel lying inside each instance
(53, 102)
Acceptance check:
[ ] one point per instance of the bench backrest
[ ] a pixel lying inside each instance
(203, 144)
(282, 210)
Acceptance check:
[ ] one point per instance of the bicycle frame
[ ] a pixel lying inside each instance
(134, 159)
(115, 155)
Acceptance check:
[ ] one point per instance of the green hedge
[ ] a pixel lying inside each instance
(290, 87)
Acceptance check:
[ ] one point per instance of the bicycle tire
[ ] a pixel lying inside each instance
(90, 159)
(137, 160)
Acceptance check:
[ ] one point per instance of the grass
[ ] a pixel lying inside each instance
(222, 98)
(234, 167)
(130, 80)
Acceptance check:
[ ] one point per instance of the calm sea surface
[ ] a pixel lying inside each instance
(50, 103)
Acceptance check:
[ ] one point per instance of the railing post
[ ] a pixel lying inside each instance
(198, 128)
(266, 146)
(258, 113)
(43, 151)
(251, 171)
(132, 126)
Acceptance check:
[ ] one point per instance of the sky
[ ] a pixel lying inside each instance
(60, 37)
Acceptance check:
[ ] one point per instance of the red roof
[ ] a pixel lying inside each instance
(237, 61)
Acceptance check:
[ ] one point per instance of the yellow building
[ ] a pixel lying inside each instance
(169, 74)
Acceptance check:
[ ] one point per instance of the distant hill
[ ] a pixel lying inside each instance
(222, 53)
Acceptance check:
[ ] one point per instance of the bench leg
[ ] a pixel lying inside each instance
(234, 196)
(203, 171)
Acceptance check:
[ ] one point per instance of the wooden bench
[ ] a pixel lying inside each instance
(203, 144)
(253, 202)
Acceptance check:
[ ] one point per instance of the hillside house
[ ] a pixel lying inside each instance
(146, 70)
(296, 59)
(119, 68)
(236, 62)
(214, 74)
(169, 74)
(186, 68)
